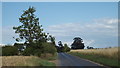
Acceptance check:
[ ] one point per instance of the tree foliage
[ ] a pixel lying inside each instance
(89, 47)
(49, 48)
(60, 44)
(9, 51)
(78, 43)
(52, 39)
(66, 48)
(62, 48)
(31, 31)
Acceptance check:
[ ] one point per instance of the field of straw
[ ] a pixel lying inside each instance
(107, 52)
(15, 60)
(24, 61)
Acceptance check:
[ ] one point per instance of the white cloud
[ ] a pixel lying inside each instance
(107, 20)
(8, 34)
(89, 42)
(89, 32)
(102, 26)
(106, 27)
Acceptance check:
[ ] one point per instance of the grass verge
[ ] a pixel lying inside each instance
(97, 58)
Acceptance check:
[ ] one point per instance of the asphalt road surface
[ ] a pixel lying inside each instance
(65, 59)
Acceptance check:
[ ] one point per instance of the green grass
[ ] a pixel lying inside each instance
(41, 62)
(97, 58)
(54, 57)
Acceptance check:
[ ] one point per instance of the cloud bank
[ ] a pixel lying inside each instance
(96, 30)
(97, 33)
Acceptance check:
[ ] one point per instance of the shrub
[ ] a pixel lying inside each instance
(9, 51)
(49, 48)
(66, 48)
(37, 52)
(28, 51)
(40, 48)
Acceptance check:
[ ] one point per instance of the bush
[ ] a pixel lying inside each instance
(49, 48)
(40, 48)
(66, 48)
(28, 51)
(37, 52)
(0, 51)
(9, 51)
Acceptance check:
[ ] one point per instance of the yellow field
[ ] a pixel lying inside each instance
(16, 60)
(108, 52)
(24, 61)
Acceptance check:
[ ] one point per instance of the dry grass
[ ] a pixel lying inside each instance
(15, 60)
(0, 62)
(24, 61)
(108, 52)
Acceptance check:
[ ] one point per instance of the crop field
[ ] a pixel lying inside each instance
(105, 56)
(107, 52)
(24, 61)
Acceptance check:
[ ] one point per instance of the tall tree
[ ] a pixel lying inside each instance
(78, 43)
(30, 30)
(60, 44)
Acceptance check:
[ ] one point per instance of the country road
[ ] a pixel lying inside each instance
(65, 59)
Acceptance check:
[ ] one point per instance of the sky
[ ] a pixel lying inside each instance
(95, 22)
(59, 0)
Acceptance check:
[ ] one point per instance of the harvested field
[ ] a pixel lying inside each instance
(24, 61)
(107, 52)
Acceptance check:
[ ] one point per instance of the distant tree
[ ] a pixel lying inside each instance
(60, 44)
(66, 48)
(89, 47)
(60, 48)
(78, 43)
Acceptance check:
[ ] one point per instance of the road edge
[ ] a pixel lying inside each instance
(90, 61)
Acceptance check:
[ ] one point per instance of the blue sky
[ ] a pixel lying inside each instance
(59, 0)
(95, 22)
